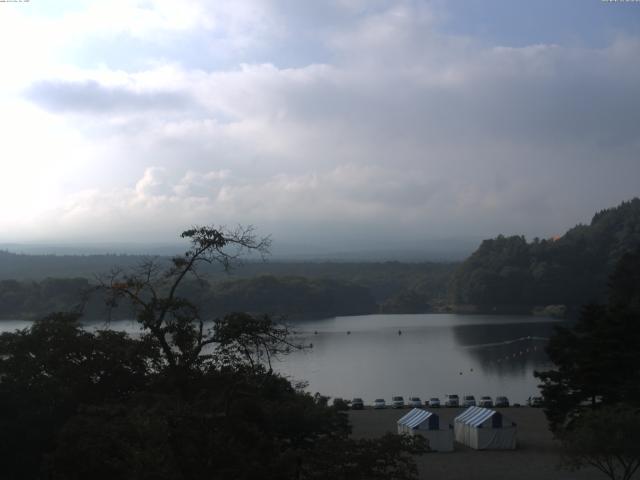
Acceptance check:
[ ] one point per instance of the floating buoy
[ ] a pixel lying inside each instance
(471, 369)
(348, 332)
(399, 332)
(310, 345)
(460, 373)
(315, 332)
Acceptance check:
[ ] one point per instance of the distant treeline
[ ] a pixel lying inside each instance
(511, 273)
(351, 290)
(30, 299)
(292, 297)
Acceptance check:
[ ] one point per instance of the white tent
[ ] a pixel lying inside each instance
(484, 429)
(427, 424)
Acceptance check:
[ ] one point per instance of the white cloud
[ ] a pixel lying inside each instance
(397, 128)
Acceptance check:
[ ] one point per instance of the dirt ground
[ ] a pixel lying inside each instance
(537, 456)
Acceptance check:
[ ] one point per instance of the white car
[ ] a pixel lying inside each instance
(434, 402)
(486, 402)
(379, 403)
(397, 402)
(452, 401)
(469, 401)
(534, 401)
(415, 402)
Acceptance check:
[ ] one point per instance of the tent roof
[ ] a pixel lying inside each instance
(475, 416)
(415, 417)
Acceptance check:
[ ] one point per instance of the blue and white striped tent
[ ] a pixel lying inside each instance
(427, 424)
(419, 419)
(482, 428)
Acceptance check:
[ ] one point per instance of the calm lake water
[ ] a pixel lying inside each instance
(435, 354)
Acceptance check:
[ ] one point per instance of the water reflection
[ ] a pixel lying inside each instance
(506, 349)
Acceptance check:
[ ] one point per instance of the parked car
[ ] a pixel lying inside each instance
(397, 402)
(534, 401)
(379, 403)
(502, 402)
(468, 401)
(434, 402)
(452, 401)
(486, 402)
(415, 402)
(357, 404)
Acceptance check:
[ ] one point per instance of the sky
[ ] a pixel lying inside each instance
(335, 125)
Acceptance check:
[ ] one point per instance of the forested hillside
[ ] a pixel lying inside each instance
(293, 297)
(295, 290)
(571, 270)
(386, 281)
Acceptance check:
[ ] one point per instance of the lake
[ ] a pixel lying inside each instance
(435, 354)
(425, 355)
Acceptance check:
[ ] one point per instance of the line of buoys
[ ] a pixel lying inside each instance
(514, 355)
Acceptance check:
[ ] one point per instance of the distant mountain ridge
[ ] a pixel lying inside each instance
(410, 251)
(508, 273)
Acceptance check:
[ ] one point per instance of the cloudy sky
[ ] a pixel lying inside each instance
(331, 123)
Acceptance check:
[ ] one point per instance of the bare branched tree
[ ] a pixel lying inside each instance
(152, 289)
(243, 339)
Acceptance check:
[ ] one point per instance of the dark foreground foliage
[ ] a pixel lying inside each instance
(606, 438)
(592, 397)
(78, 405)
(190, 398)
(597, 360)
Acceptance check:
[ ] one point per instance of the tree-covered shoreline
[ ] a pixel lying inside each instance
(326, 290)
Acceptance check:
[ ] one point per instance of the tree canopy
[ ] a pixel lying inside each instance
(607, 439)
(592, 396)
(191, 397)
(597, 360)
(570, 270)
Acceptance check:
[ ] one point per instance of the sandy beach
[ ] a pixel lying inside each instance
(537, 456)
